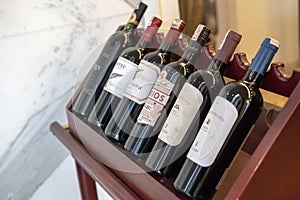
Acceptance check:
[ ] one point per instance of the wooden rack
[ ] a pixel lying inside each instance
(267, 166)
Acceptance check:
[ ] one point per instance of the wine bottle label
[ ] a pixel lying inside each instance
(180, 118)
(122, 73)
(156, 101)
(213, 132)
(139, 88)
(93, 79)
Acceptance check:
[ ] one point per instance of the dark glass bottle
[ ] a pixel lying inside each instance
(163, 96)
(189, 111)
(121, 75)
(97, 76)
(150, 68)
(230, 118)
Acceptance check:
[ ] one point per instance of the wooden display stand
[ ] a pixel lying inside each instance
(267, 166)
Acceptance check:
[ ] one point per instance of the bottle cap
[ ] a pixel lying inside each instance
(175, 30)
(264, 56)
(152, 28)
(271, 43)
(155, 22)
(178, 25)
(137, 14)
(228, 46)
(201, 34)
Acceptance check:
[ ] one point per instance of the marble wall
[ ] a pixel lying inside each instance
(43, 45)
(46, 49)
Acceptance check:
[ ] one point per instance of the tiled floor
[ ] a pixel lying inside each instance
(63, 184)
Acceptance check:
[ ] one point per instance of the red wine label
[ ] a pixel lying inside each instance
(180, 118)
(156, 101)
(140, 87)
(122, 73)
(213, 132)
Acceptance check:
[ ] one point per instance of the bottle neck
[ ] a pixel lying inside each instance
(192, 52)
(217, 65)
(170, 39)
(261, 61)
(223, 54)
(164, 47)
(149, 33)
(142, 44)
(228, 47)
(129, 26)
(252, 76)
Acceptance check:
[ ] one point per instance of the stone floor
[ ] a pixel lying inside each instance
(62, 184)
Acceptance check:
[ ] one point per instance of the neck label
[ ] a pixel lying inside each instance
(213, 132)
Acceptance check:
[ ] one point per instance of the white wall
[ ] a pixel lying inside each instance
(46, 48)
(43, 44)
(167, 10)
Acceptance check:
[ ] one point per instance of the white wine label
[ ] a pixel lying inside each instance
(213, 132)
(156, 101)
(139, 88)
(181, 116)
(122, 73)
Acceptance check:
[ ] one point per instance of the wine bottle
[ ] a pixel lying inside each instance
(189, 111)
(121, 75)
(150, 67)
(97, 76)
(163, 96)
(230, 118)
